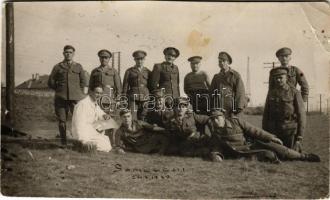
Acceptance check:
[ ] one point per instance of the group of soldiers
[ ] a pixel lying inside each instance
(207, 123)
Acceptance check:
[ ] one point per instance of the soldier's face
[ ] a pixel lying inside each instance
(68, 54)
(219, 121)
(284, 59)
(223, 63)
(195, 66)
(280, 80)
(169, 58)
(139, 62)
(160, 102)
(97, 93)
(182, 109)
(126, 119)
(104, 60)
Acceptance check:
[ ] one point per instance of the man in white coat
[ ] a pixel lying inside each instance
(89, 122)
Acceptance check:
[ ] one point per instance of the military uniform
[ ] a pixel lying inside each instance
(229, 142)
(108, 78)
(166, 75)
(136, 86)
(284, 113)
(141, 138)
(186, 136)
(295, 75)
(197, 83)
(68, 80)
(231, 91)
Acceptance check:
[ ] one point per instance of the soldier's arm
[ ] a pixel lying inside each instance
(83, 80)
(301, 115)
(51, 79)
(185, 88)
(301, 79)
(240, 100)
(125, 83)
(155, 76)
(117, 83)
(207, 80)
(201, 119)
(211, 91)
(254, 131)
(91, 80)
(265, 115)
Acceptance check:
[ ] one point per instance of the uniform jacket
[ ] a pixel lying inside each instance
(161, 117)
(136, 83)
(188, 125)
(284, 107)
(196, 82)
(234, 87)
(236, 129)
(166, 76)
(295, 76)
(107, 78)
(68, 81)
(138, 136)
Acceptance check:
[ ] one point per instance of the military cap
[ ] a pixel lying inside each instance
(104, 53)
(172, 51)
(283, 52)
(139, 54)
(181, 101)
(68, 47)
(225, 55)
(216, 113)
(279, 71)
(158, 93)
(195, 59)
(124, 111)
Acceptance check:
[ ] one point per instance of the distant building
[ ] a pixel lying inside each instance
(37, 85)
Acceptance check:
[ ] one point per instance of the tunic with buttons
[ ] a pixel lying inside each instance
(107, 78)
(229, 85)
(165, 75)
(283, 106)
(136, 83)
(68, 81)
(295, 76)
(196, 82)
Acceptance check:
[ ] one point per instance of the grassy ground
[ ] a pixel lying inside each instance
(40, 168)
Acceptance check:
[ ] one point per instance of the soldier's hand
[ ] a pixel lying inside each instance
(297, 146)
(106, 117)
(85, 90)
(276, 140)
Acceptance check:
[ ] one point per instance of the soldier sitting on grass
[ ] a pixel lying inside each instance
(228, 141)
(139, 136)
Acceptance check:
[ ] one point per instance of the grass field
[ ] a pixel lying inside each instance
(39, 168)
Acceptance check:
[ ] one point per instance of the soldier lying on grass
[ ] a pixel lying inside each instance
(228, 141)
(139, 136)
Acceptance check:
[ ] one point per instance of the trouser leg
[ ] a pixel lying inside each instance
(61, 111)
(282, 151)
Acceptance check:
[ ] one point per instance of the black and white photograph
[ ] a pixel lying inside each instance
(165, 100)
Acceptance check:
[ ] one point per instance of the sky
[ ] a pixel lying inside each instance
(254, 30)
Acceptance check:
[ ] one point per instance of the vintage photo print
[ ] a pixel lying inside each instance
(165, 100)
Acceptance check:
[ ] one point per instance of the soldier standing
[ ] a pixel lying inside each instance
(166, 75)
(227, 87)
(196, 86)
(284, 113)
(68, 79)
(106, 76)
(295, 75)
(135, 84)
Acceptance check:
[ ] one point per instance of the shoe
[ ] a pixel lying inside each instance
(216, 157)
(312, 158)
(120, 151)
